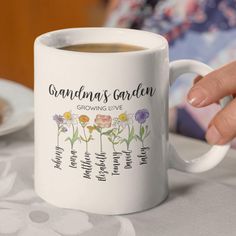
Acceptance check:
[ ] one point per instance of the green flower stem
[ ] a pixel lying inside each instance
(73, 129)
(85, 137)
(101, 141)
(72, 143)
(128, 129)
(128, 143)
(114, 137)
(113, 142)
(120, 130)
(58, 134)
(141, 136)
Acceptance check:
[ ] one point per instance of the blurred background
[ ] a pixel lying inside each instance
(203, 30)
(22, 21)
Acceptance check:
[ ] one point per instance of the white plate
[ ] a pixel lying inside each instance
(20, 103)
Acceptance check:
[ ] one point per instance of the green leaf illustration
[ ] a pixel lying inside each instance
(147, 134)
(124, 141)
(120, 131)
(131, 136)
(108, 132)
(132, 132)
(68, 139)
(115, 132)
(76, 133)
(109, 138)
(142, 131)
(74, 139)
(83, 139)
(97, 129)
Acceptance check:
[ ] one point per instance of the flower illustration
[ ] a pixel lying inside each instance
(70, 120)
(90, 128)
(123, 120)
(41, 219)
(123, 117)
(126, 120)
(59, 119)
(83, 120)
(141, 116)
(103, 121)
(114, 136)
(120, 124)
(67, 115)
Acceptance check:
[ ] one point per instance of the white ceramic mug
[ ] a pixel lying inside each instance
(101, 121)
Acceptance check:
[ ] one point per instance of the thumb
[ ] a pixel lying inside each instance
(222, 128)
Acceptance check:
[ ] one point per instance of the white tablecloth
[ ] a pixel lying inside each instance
(202, 204)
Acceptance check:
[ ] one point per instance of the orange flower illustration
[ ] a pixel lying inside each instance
(83, 119)
(90, 128)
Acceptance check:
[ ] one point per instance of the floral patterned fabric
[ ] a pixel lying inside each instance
(23, 213)
(204, 30)
(189, 210)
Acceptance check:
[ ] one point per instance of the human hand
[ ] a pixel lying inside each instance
(210, 89)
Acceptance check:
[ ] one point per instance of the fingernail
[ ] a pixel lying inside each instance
(197, 97)
(213, 136)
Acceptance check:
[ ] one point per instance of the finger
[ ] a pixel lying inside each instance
(197, 79)
(214, 86)
(222, 128)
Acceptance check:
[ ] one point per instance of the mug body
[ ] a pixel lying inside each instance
(101, 123)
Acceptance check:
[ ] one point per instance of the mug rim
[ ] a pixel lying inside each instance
(56, 39)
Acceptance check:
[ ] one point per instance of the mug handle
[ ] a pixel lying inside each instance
(216, 154)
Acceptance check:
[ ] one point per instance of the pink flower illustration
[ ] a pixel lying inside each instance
(103, 121)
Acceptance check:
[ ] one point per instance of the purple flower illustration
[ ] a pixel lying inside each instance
(141, 116)
(59, 119)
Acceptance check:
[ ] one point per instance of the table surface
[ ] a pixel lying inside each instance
(198, 204)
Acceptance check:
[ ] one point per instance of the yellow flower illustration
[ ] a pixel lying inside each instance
(83, 119)
(91, 129)
(67, 115)
(123, 117)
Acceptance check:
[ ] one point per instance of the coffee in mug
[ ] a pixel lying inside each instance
(103, 47)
